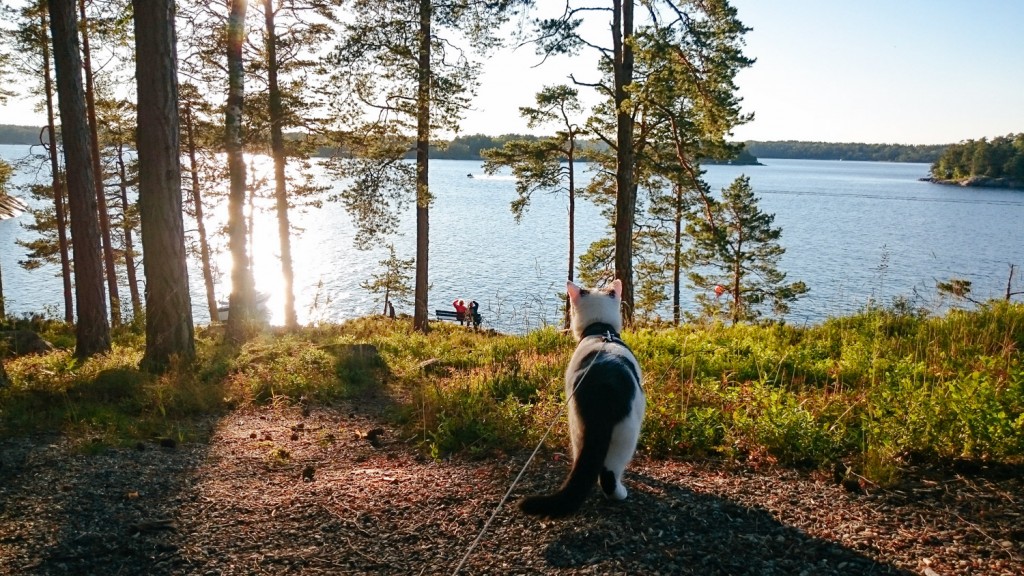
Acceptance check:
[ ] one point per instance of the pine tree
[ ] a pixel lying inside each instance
(101, 197)
(393, 282)
(290, 29)
(399, 60)
(689, 103)
(242, 304)
(198, 138)
(697, 36)
(118, 118)
(537, 164)
(169, 329)
(92, 330)
(735, 254)
(32, 44)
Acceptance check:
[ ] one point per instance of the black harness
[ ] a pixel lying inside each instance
(608, 335)
(604, 331)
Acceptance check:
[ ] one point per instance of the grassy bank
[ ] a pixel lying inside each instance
(876, 390)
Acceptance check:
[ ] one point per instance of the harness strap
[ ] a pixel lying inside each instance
(605, 332)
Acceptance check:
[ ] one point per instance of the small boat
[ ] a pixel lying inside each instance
(470, 175)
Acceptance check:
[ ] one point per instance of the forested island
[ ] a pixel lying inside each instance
(851, 151)
(996, 163)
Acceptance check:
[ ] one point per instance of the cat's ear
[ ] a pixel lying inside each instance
(617, 288)
(574, 292)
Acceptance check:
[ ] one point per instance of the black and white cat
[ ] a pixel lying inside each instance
(606, 403)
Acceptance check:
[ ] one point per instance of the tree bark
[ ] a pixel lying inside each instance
(280, 160)
(60, 212)
(422, 170)
(169, 329)
(92, 330)
(625, 196)
(101, 196)
(240, 310)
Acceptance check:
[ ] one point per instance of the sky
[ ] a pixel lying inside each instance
(876, 71)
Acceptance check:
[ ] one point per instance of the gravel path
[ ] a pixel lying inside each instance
(332, 491)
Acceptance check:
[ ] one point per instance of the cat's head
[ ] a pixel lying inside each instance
(593, 306)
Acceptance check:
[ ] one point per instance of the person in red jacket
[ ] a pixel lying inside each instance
(460, 310)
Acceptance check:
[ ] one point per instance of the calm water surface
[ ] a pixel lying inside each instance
(855, 232)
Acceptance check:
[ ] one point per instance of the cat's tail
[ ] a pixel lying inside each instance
(582, 477)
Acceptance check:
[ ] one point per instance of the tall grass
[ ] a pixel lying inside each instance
(878, 388)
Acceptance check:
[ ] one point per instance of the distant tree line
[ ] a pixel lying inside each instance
(469, 147)
(10, 134)
(1001, 158)
(794, 149)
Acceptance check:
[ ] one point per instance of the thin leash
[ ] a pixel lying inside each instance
(607, 337)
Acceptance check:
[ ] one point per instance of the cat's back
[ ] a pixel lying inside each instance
(603, 378)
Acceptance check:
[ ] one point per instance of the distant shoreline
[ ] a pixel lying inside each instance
(977, 182)
(468, 147)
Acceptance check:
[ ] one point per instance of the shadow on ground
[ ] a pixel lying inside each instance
(672, 530)
(68, 509)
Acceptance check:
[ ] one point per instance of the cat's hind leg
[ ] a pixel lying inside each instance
(620, 452)
(611, 487)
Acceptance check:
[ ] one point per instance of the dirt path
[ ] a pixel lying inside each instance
(329, 491)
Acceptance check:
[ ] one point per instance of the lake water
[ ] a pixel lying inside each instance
(855, 232)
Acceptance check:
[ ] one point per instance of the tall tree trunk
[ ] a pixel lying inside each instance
(567, 320)
(92, 330)
(277, 146)
(677, 257)
(169, 329)
(737, 276)
(423, 198)
(625, 197)
(197, 201)
(57, 182)
(129, 243)
(101, 197)
(240, 312)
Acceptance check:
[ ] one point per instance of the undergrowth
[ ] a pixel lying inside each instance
(878, 389)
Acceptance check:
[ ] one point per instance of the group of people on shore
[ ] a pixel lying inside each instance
(467, 313)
